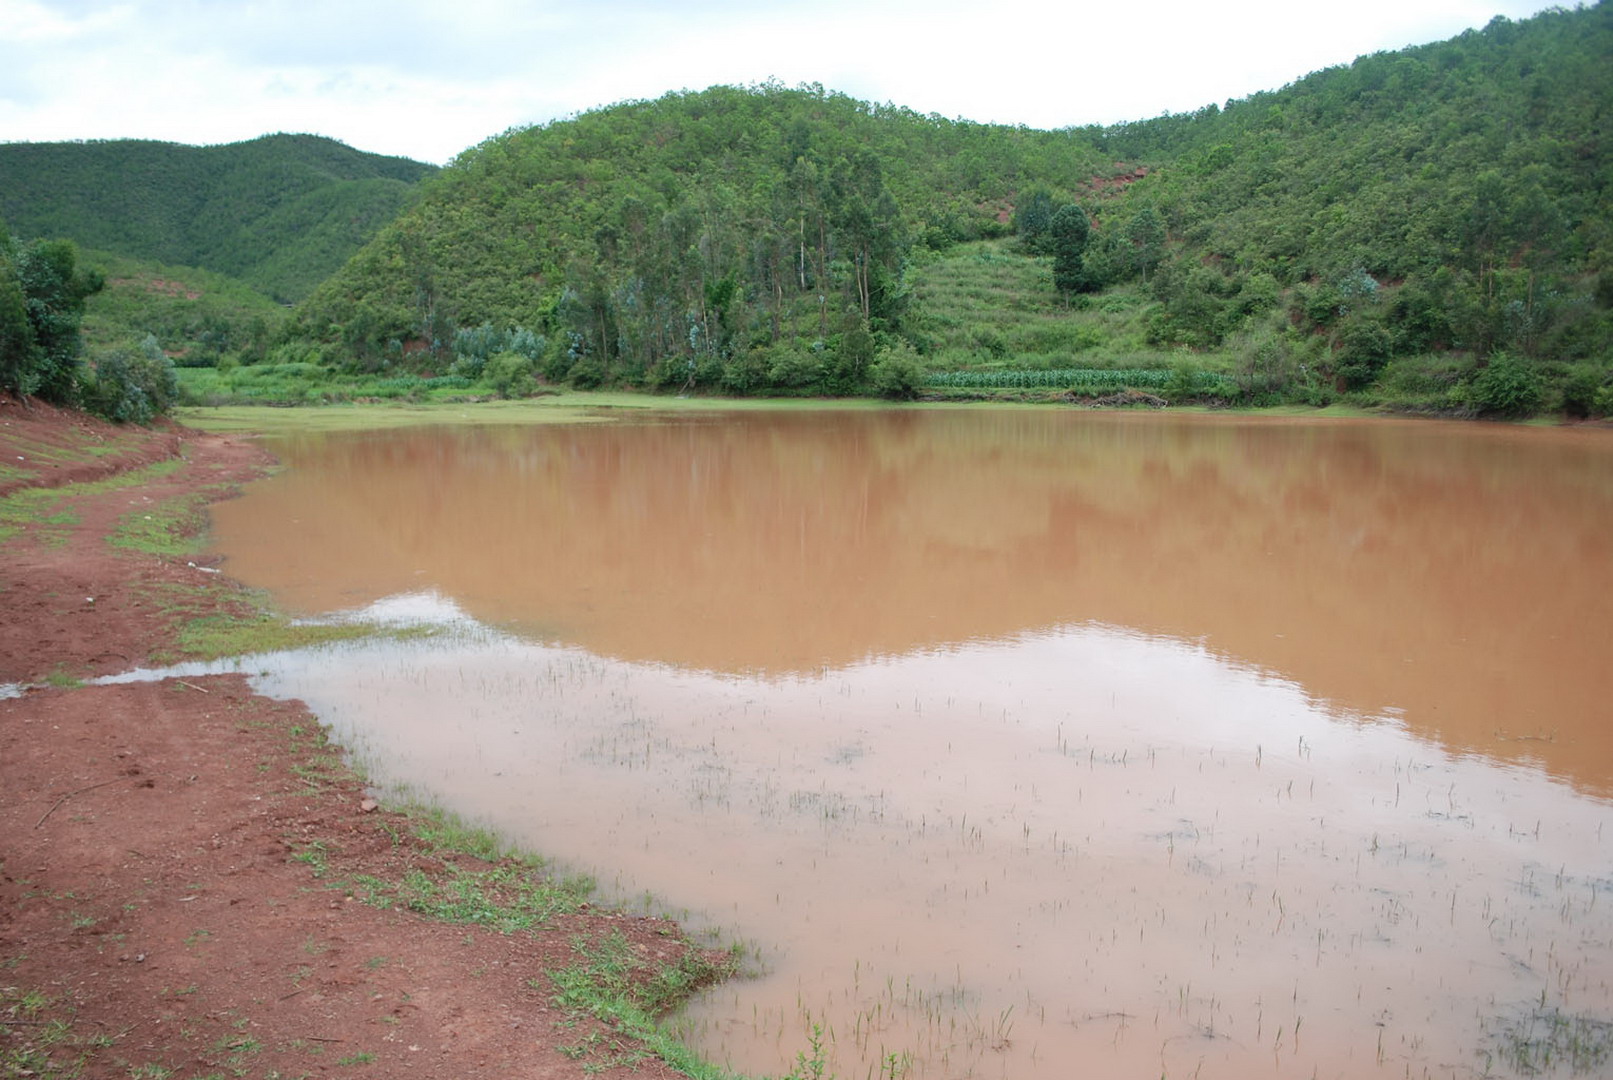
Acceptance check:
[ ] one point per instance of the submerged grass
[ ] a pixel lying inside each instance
(480, 880)
(1546, 1041)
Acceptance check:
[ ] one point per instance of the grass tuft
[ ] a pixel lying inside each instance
(629, 994)
(1548, 1041)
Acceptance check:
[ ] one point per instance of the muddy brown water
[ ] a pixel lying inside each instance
(1014, 740)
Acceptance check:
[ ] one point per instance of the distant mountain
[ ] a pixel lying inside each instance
(1384, 229)
(280, 213)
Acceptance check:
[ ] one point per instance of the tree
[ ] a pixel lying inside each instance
(1068, 232)
(39, 352)
(1033, 218)
(1145, 232)
(17, 349)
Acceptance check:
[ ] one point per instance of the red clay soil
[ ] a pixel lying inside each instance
(153, 918)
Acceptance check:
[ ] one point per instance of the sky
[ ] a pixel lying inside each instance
(428, 78)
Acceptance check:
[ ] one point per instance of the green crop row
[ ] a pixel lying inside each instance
(1090, 379)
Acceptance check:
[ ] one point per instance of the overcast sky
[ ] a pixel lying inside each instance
(429, 78)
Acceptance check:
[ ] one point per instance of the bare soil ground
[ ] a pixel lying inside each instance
(183, 864)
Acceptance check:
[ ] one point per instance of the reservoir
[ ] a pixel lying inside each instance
(1010, 739)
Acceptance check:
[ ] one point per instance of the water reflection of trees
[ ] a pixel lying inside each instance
(1454, 573)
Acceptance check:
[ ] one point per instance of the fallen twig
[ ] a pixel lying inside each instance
(70, 794)
(191, 686)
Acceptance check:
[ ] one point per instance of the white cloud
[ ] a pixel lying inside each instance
(428, 78)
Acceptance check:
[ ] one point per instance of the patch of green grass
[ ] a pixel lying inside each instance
(37, 508)
(212, 636)
(494, 887)
(629, 994)
(505, 896)
(570, 407)
(63, 680)
(46, 508)
(216, 619)
(441, 831)
(314, 855)
(39, 1038)
(172, 527)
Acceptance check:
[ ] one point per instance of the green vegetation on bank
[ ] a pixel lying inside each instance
(1423, 230)
(1426, 228)
(43, 290)
(50, 509)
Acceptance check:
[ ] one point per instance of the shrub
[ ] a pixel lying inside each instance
(1580, 390)
(1508, 386)
(509, 374)
(897, 373)
(795, 369)
(133, 385)
(587, 373)
(1364, 347)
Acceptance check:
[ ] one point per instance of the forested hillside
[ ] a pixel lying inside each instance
(280, 213)
(1455, 198)
(1429, 226)
(747, 238)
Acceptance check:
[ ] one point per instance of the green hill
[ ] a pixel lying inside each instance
(747, 238)
(1383, 230)
(280, 213)
(1454, 198)
(197, 316)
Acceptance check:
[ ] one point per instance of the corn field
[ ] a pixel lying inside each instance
(1094, 380)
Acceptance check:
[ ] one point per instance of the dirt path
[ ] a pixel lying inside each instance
(191, 882)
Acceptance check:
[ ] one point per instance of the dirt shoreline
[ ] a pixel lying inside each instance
(192, 883)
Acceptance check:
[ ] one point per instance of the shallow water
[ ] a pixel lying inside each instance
(1015, 739)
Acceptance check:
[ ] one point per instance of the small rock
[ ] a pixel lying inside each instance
(368, 805)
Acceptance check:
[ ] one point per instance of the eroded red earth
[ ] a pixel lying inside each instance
(179, 860)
